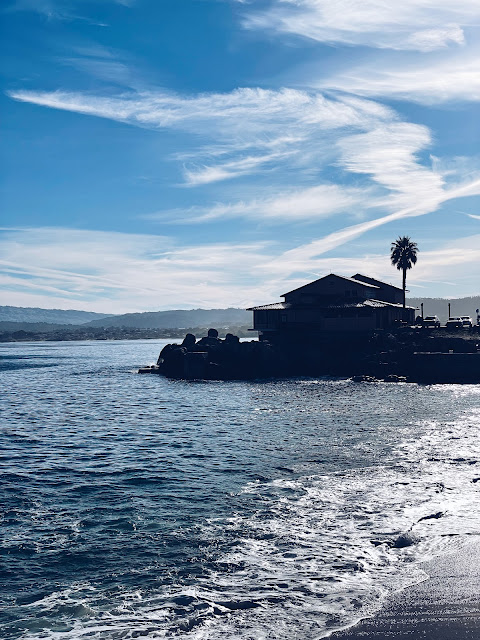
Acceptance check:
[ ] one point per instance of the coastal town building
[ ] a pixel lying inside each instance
(333, 304)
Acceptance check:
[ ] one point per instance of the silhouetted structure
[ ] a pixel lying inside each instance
(332, 304)
(336, 326)
(408, 353)
(403, 255)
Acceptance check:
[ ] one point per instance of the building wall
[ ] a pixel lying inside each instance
(343, 320)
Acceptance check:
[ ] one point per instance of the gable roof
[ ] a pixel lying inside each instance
(275, 306)
(373, 281)
(334, 275)
(371, 302)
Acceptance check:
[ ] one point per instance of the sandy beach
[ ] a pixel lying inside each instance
(445, 606)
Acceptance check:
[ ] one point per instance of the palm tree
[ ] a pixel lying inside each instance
(403, 255)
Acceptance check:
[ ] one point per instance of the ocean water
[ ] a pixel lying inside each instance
(136, 506)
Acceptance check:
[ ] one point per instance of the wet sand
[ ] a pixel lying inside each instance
(446, 606)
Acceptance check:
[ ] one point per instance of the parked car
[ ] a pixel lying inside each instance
(467, 321)
(431, 321)
(455, 322)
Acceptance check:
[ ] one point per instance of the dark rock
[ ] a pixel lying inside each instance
(195, 366)
(395, 356)
(404, 540)
(432, 516)
(189, 340)
(212, 358)
(152, 368)
(210, 341)
(170, 360)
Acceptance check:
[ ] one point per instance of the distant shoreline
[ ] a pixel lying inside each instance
(79, 333)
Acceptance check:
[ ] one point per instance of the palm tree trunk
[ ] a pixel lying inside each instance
(404, 287)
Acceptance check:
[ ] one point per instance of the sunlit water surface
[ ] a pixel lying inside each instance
(135, 506)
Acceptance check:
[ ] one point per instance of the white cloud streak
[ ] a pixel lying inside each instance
(57, 9)
(427, 81)
(247, 111)
(246, 127)
(419, 25)
(450, 270)
(135, 272)
(247, 132)
(313, 203)
(232, 168)
(389, 155)
(385, 155)
(130, 272)
(302, 258)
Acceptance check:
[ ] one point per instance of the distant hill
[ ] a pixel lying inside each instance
(439, 306)
(51, 316)
(8, 326)
(35, 319)
(179, 318)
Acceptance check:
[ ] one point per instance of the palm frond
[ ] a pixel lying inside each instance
(403, 254)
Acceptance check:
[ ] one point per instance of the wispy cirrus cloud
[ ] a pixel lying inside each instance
(300, 258)
(136, 272)
(246, 128)
(57, 9)
(387, 155)
(390, 155)
(104, 64)
(233, 168)
(313, 203)
(432, 81)
(130, 270)
(449, 268)
(103, 68)
(243, 112)
(418, 25)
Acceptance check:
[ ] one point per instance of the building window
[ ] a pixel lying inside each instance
(283, 317)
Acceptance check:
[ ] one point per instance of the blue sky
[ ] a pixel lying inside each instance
(163, 154)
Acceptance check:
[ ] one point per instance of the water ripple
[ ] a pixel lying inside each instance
(134, 505)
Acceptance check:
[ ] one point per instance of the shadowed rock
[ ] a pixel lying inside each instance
(403, 355)
(212, 358)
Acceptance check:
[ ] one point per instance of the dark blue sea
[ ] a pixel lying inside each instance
(136, 506)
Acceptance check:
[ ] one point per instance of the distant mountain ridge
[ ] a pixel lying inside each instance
(12, 317)
(177, 318)
(36, 327)
(439, 306)
(36, 319)
(50, 316)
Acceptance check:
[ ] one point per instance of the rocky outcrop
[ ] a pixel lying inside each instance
(212, 358)
(390, 356)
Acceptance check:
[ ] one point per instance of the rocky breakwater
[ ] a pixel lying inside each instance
(406, 354)
(425, 356)
(211, 358)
